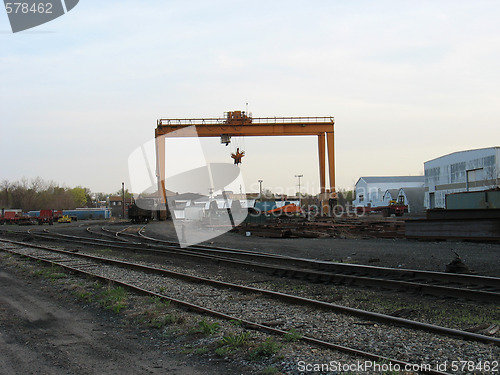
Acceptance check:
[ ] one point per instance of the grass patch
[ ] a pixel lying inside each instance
(200, 351)
(58, 275)
(84, 296)
(52, 273)
(265, 349)
(156, 316)
(206, 328)
(113, 299)
(292, 336)
(160, 302)
(232, 343)
(164, 320)
(225, 351)
(235, 340)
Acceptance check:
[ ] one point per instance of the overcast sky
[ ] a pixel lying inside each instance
(406, 82)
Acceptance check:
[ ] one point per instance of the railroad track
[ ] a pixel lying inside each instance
(472, 287)
(88, 264)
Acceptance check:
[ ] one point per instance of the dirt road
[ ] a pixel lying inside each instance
(43, 334)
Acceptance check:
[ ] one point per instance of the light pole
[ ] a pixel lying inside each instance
(300, 195)
(260, 190)
(123, 200)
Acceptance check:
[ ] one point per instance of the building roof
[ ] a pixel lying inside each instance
(497, 148)
(392, 192)
(386, 179)
(186, 197)
(119, 198)
(158, 194)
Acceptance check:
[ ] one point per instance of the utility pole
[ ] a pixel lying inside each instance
(123, 200)
(300, 194)
(260, 190)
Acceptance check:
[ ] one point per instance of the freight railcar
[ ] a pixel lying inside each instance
(142, 211)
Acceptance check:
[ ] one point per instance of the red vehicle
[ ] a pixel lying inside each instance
(396, 209)
(46, 216)
(12, 217)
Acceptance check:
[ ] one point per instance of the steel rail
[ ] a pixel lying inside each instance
(218, 314)
(373, 275)
(325, 265)
(383, 318)
(114, 236)
(314, 275)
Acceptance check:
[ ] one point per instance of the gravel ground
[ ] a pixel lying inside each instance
(405, 344)
(482, 258)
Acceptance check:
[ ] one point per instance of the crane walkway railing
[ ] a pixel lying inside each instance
(245, 121)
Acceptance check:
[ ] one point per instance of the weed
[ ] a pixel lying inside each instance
(58, 275)
(113, 299)
(298, 288)
(39, 272)
(292, 335)
(56, 269)
(206, 328)
(265, 349)
(162, 289)
(164, 320)
(50, 273)
(236, 323)
(200, 351)
(235, 340)
(86, 296)
(160, 302)
(224, 351)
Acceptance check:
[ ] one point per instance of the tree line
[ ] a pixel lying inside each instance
(37, 194)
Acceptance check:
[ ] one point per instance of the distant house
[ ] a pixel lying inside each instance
(115, 204)
(390, 195)
(462, 171)
(413, 198)
(370, 190)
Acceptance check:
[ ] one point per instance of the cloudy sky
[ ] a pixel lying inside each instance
(406, 82)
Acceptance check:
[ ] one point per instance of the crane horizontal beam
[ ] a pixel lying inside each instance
(264, 126)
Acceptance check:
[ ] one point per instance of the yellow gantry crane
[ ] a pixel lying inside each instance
(238, 123)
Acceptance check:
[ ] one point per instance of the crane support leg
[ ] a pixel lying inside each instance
(160, 166)
(331, 160)
(322, 164)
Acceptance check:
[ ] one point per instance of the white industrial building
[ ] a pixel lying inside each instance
(471, 170)
(370, 191)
